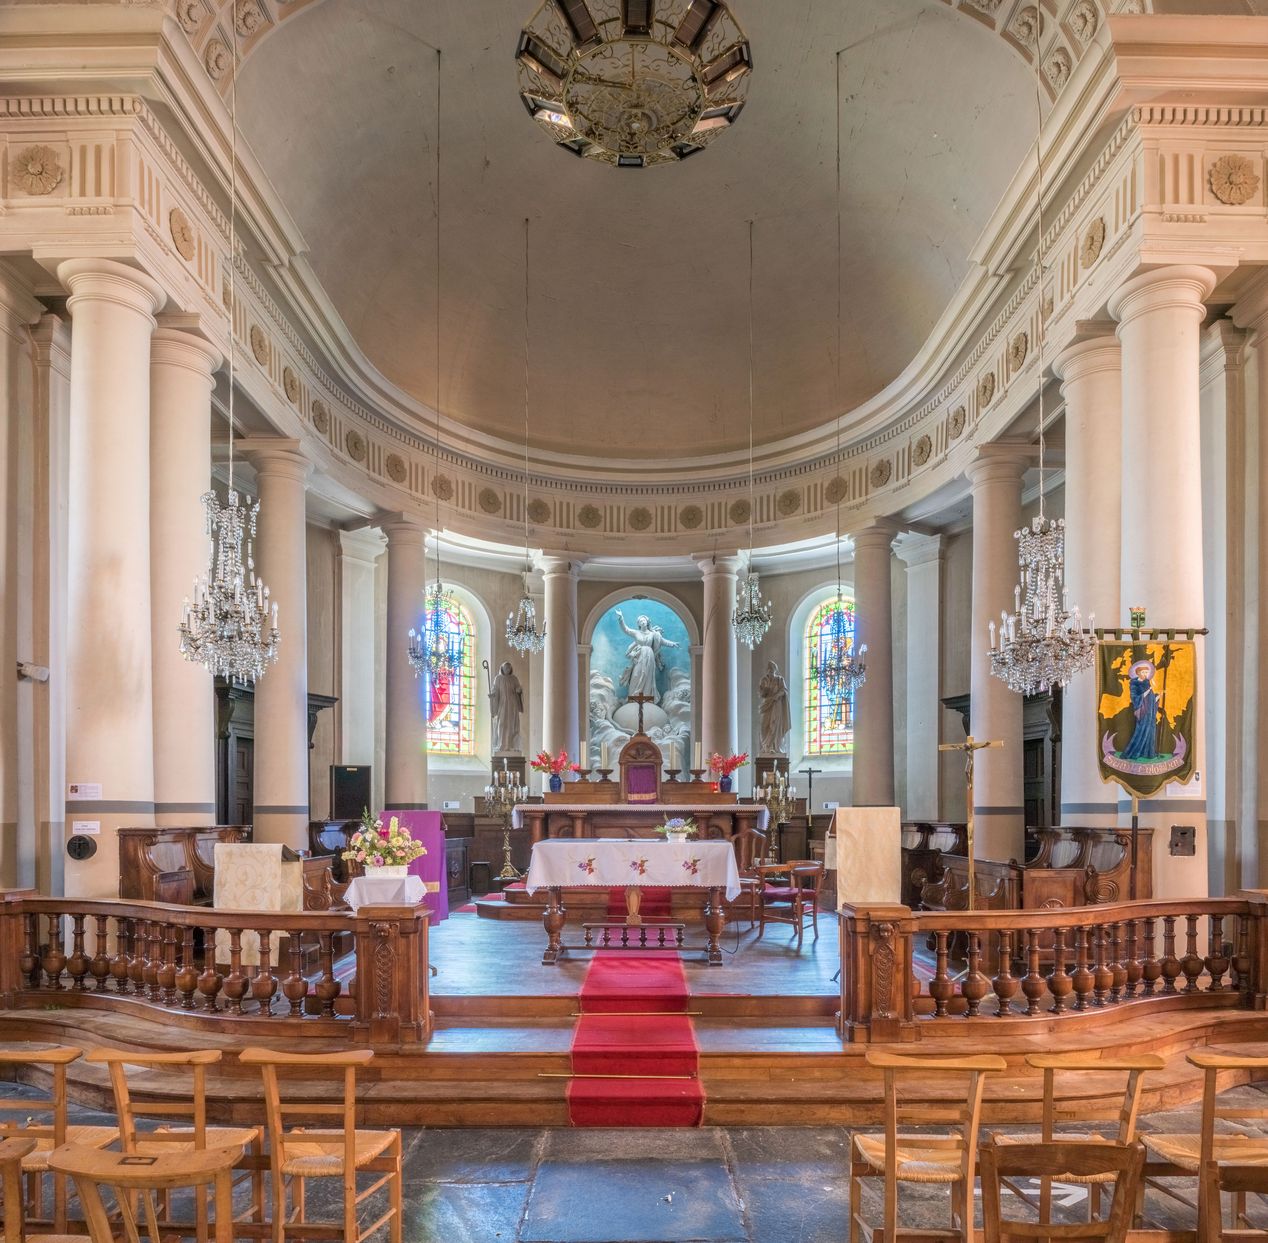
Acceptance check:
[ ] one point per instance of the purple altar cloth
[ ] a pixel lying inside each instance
(427, 827)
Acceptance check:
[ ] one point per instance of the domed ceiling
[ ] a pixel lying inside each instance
(639, 276)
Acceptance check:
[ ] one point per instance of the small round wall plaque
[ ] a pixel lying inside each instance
(80, 847)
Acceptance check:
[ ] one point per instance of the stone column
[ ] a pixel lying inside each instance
(358, 642)
(1159, 318)
(874, 700)
(281, 695)
(405, 757)
(561, 722)
(181, 370)
(109, 679)
(996, 711)
(1092, 375)
(923, 556)
(719, 711)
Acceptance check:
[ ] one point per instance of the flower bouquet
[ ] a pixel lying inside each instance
(722, 766)
(383, 850)
(677, 829)
(555, 765)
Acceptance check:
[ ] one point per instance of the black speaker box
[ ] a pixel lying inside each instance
(349, 791)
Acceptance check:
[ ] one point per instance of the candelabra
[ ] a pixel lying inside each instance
(779, 798)
(440, 647)
(753, 614)
(501, 796)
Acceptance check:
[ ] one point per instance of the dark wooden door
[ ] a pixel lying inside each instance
(243, 780)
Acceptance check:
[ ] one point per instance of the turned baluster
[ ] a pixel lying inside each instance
(167, 963)
(1032, 985)
(1218, 960)
(100, 965)
(1135, 969)
(1102, 974)
(975, 985)
(236, 983)
(1151, 969)
(119, 963)
(941, 987)
(29, 963)
(210, 980)
(264, 984)
(1171, 967)
(1083, 979)
(1117, 965)
(1005, 983)
(54, 961)
(1191, 964)
(187, 977)
(77, 963)
(136, 956)
(153, 958)
(1241, 964)
(1059, 982)
(328, 987)
(295, 986)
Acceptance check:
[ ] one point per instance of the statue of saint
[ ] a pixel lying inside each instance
(775, 721)
(506, 702)
(644, 656)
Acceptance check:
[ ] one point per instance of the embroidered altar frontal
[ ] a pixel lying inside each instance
(602, 862)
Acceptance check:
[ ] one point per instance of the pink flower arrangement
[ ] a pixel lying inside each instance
(725, 765)
(377, 845)
(557, 765)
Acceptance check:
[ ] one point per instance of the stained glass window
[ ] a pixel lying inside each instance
(829, 722)
(450, 701)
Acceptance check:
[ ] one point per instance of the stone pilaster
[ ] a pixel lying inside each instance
(923, 556)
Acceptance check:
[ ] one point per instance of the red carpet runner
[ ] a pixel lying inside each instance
(624, 1030)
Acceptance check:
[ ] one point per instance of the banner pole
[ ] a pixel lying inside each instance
(1135, 839)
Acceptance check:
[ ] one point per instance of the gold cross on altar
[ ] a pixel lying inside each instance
(970, 746)
(640, 700)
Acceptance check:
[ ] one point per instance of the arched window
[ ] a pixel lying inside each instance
(829, 720)
(450, 701)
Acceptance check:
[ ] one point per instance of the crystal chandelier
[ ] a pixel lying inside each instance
(1042, 642)
(231, 625)
(439, 648)
(635, 83)
(753, 615)
(521, 625)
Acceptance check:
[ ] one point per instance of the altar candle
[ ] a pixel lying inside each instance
(699, 753)
(603, 752)
(673, 757)
(583, 753)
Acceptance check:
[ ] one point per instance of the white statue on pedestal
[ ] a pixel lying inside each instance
(775, 721)
(506, 703)
(644, 657)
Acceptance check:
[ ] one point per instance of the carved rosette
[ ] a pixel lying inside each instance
(259, 344)
(395, 467)
(922, 450)
(986, 389)
(739, 512)
(789, 502)
(881, 473)
(321, 417)
(1058, 68)
(37, 170)
(182, 232)
(1093, 242)
(1018, 348)
(190, 15)
(690, 517)
(1025, 26)
(955, 424)
(442, 487)
(639, 519)
(1084, 20)
(1233, 179)
(836, 491)
(290, 385)
(249, 18)
(217, 59)
(489, 501)
(589, 517)
(354, 442)
(538, 511)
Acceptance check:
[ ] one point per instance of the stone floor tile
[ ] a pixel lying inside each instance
(471, 1156)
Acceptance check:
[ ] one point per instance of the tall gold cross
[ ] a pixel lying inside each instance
(641, 700)
(970, 746)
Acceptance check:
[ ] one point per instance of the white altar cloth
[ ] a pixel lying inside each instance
(615, 863)
(685, 810)
(384, 891)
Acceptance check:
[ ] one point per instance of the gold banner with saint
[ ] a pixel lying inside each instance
(1146, 710)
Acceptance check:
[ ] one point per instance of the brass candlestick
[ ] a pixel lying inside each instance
(501, 797)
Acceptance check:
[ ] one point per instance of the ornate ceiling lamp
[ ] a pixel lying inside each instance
(1042, 642)
(439, 648)
(753, 615)
(633, 83)
(231, 625)
(521, 625)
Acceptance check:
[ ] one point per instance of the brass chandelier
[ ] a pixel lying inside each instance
(633, 83)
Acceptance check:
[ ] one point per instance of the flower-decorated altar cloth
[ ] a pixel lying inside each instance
(616, 863)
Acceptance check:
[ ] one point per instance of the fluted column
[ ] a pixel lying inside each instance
(109, 679)
(1091, 371)
(281, 695)
(181, 369)
(405, 756)
(719, 711)
(561, 728)
(874, 699)
(923, 555)
(1159, 317)
(996, 711)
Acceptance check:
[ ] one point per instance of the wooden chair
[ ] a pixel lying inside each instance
(1239, 1180)
(1080, 1161)
(129, 1177)
(950, 1159)
(12, 1153)
(750, 849)
(1084, 1101)
(791, 903)
(1177, 1155)
(299, 1154)
(196, 1137)
(46, 1123)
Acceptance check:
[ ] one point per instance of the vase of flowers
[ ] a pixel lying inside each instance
(554, 765)
(677, 829)
(723, 766)
(383, 849)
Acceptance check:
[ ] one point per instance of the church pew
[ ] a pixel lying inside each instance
(172, 863)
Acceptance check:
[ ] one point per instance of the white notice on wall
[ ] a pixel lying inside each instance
(85, 826)
(1190, 789)
(84, 791)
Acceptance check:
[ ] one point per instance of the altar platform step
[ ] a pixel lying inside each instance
(514, 903)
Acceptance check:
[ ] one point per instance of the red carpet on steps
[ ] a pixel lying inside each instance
(623, 1031)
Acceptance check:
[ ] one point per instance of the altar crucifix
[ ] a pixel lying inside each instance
(970, 746)
(640, 700)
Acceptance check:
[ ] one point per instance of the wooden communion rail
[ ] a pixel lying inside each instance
(1021, 968)
(144, 957)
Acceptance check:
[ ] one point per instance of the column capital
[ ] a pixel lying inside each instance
(104, 280)
(1251, 310)
(18, 303)
(874, 535)
(710, 563)
(402, 530)
(364, 544)
(1183, 287)
(916, 549)
(176, 347)
(277, 456)
(557, 565)
(1001, 461)
(1095, 348)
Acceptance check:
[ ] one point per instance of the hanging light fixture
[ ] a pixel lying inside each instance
(439, 648)
(838, 665)
(230, 626)
(1042, 642)
(521, 625)
(753, 615)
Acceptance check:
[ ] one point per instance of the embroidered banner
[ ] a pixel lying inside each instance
(1146, 709)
